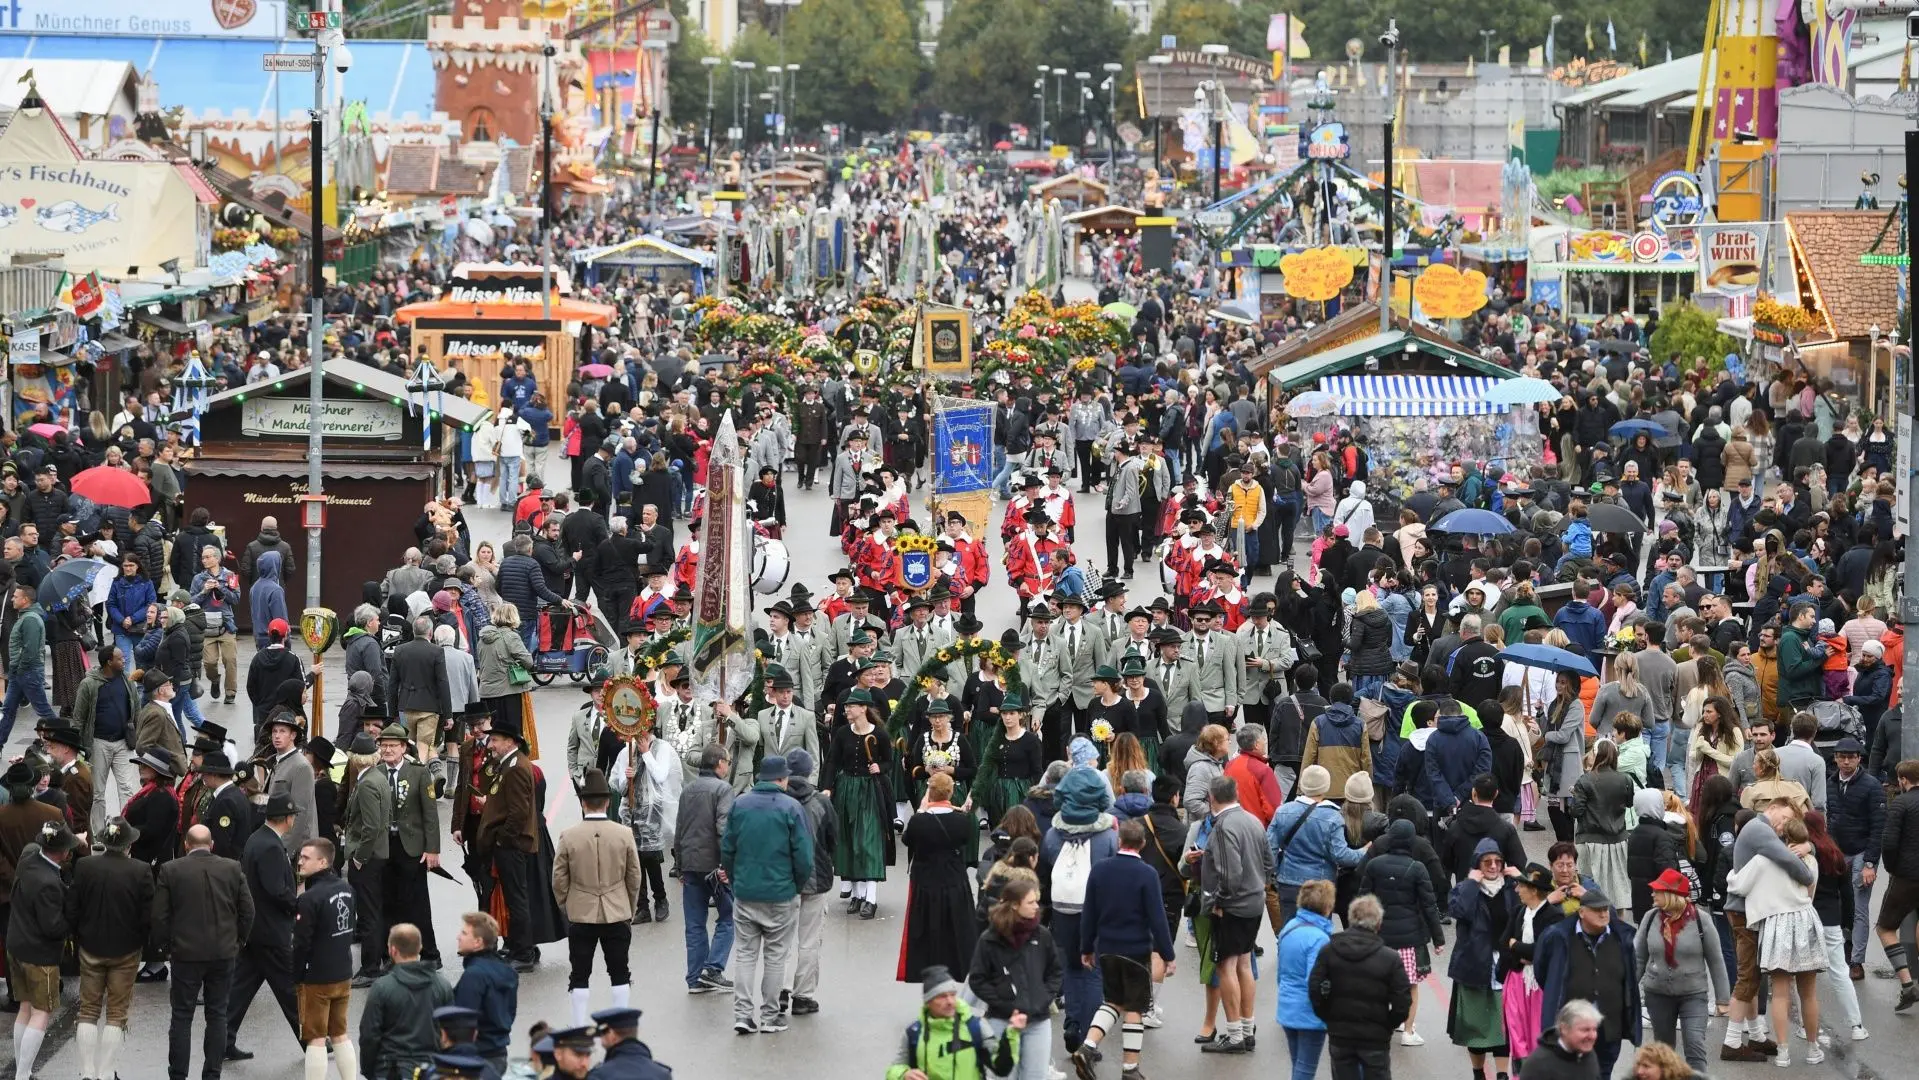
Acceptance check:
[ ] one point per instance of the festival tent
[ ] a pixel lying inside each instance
(1412, 395)
(652, 258)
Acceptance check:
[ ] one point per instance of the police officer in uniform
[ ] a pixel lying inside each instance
(627, 1058)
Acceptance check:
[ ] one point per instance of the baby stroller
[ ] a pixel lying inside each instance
(565, 645)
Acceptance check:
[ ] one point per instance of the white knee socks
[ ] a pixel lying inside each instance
(87, 1038)
(30, 1038)
(580, 1005)
(110, 1039)
(315, 1065)
(346, 1060)
(622, 994)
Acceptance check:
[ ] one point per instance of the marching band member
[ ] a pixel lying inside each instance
(1027, 556)
(1058, 500)
(1018, 506)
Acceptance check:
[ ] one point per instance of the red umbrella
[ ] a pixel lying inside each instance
(1002, 145)
(109, 486)
(48, 430)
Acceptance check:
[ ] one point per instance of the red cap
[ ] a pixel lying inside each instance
(1672, 881)
(277, 626)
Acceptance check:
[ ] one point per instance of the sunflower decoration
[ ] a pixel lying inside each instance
(1102, 732)
(905, 543)
(659, 653)
(1085, 364)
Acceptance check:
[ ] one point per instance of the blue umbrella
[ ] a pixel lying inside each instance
(1523, 391)
(1626, 429)
(1551, 658)
(68, 582)
(1473, 522)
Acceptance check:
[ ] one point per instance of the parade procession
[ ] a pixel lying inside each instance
(596, 540)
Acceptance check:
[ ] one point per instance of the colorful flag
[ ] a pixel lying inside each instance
(1549, 44)
(1612, 44)
(963, 449)
(721, 665)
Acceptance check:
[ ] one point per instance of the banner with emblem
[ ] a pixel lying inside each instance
(721, 594)
(948, 337)
(962, 445)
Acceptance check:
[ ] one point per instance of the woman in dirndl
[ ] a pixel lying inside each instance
(1147, 718)
(940, 929)
(1013, 761)
(854, 777)
(1529, 921)
(938, 750)
(1481, 906)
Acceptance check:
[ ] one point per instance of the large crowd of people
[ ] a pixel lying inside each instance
(1277, 697)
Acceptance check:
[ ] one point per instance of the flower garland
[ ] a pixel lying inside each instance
(764, 375)
(1004, 360)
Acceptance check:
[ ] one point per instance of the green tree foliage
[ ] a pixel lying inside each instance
(987, 60)
(859, 62)
(1686, 332)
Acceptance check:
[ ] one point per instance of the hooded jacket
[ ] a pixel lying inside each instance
(1009, 978)
(1299, 944)
(266, 597)
(1338, 742)
(397, 1032)
(268, 540)
(1583, 624)
(1370, 638)
(1395, 874)
(954, 1048)
(1172, 752)
(1455, 753)
(1201, 770)
(363, 655)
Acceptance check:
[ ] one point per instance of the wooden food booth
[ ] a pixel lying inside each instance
(492, 315)
(381, 465)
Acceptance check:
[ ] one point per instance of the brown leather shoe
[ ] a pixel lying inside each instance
(1739, 1053)
(1858, 972)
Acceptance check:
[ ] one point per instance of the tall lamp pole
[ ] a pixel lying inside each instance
(1159, 62)
(788, 104)
(341, 59)
(1909, 602)
(1083, 77)
(656, 66)
(1215, 109)
(1112, 70)
(1040, 85)
(547, 214)
(709, 63)
(1390, 39)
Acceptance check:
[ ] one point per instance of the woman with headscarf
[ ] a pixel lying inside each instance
(357, 704)
(1481, 906)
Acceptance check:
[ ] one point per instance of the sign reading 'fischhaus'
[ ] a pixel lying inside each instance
(290, 418)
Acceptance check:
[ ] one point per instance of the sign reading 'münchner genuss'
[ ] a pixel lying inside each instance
(339, 419)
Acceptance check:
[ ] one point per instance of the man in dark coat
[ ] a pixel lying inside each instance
(1359, 987)
(228, 816)
(266, 956)
(523, 583)
(1599, 968)
(37, 930)
(421, 693)
(268, 540)
(508, 837)
(110, 909)
(202, 911)
(580, 535)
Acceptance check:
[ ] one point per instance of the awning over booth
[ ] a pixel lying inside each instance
(649, 251)
(1411, 395)
(1394, 348)
(565, 309)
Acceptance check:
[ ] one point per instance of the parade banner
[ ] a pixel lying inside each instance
(721, 590)
(962, 447)
(949, 343)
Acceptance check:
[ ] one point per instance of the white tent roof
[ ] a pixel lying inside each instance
(70, 87)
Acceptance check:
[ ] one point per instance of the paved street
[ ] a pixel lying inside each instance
(864, 1009)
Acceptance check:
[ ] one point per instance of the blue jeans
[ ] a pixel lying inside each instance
(1319, 518)
(1368, 685)
(509, 480)
(1656, 736)
(125, 644)
(31, 686)
(697, 896)
(1305, 1047)
(1677, 744)
(1003, 479)
(1862, 911)
(185, 710)
(530, 633)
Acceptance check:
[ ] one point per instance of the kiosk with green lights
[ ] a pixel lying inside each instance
(386, 451)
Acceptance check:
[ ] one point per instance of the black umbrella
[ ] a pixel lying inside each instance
(1609, 518)
(68, 582)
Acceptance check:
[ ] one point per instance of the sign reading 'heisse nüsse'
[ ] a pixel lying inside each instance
(290, 418)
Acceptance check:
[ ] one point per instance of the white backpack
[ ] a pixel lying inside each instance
(1070, 873)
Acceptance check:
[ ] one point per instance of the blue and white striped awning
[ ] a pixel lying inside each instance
(1411, 395)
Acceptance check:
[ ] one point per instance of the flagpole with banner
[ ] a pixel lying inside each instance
(963, 460)
(721, 665)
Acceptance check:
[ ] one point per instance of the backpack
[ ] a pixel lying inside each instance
(1285, 479)
(1070, 873)
(973, 1030)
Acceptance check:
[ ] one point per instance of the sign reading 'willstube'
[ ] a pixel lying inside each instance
(290, 417)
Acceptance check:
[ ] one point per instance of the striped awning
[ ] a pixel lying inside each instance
(1411, 395)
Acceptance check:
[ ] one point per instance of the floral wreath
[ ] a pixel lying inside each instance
(764, 375)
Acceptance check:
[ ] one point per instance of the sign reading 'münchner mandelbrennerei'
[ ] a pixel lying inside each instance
(291, 417)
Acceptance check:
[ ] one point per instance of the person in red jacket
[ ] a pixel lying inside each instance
(1259, 790)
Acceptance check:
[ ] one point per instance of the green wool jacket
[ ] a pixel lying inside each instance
(1800, 669)
(27, 644)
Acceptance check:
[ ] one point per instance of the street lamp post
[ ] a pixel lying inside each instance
(787, 104)
(1112, 70)
(742, 97)
(657, 62)
(316, 285)
(1083, 77)
(1059, 96)
(1390, 39)
(1040, 85)
(1216, 111)
(776, 95)
(709, 63)
(1487, 55)
(1159, 62)
(547, 216)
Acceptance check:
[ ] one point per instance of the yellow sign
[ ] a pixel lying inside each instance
(1061, 153)
(1444, 292)
(949, 343)
(1316, 273)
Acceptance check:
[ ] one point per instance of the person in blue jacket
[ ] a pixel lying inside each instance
(131, 604)
(1455, 753)
(267, 596)
(1299, 944)
(1591, 957)
(488, 985)
(1481, 906)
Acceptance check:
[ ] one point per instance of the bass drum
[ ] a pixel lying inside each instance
(771, 565)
